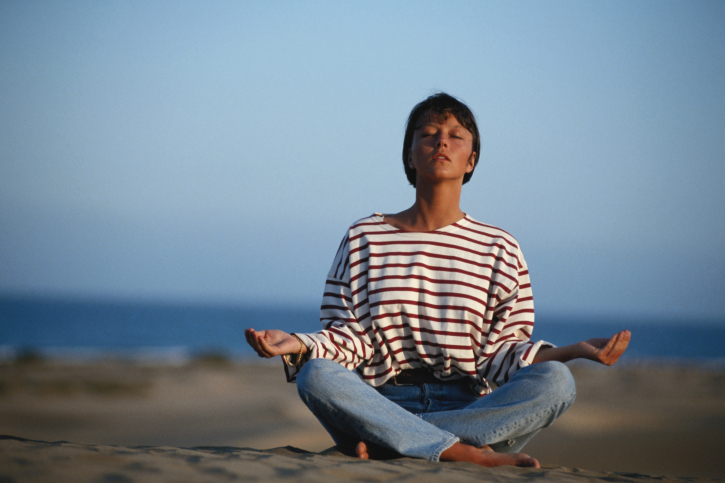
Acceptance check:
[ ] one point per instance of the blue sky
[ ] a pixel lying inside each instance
(217, 151)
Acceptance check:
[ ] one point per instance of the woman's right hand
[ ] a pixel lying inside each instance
(270, 343)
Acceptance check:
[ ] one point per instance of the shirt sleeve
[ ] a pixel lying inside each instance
(342, 339)
(509, 346)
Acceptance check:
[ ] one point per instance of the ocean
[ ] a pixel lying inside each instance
(175, 331)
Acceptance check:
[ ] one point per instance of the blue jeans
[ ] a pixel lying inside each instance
(422, 421)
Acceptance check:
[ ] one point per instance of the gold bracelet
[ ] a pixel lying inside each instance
(298, 360)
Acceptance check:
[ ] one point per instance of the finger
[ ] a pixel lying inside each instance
(621, 340)
(253, 339)
(607, 349)
(605, 353)
(264, 348)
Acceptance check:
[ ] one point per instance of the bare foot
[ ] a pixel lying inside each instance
(370, 451)
(485, 456)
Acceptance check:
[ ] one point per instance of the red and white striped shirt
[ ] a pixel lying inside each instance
(456, 300)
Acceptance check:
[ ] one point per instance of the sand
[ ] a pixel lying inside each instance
(218, 420)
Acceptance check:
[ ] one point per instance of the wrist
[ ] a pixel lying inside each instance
(296, 358)
(303, 347)
(580, 351)
(561, 354)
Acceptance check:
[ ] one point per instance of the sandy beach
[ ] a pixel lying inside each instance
(213, 419)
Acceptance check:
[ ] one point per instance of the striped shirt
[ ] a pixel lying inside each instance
(456, 300)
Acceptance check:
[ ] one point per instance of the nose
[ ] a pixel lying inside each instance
(442, 140)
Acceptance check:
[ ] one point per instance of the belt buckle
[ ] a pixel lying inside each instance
(398, 383)
(409, 377)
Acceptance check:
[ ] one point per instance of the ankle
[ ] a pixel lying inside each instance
(457, 452)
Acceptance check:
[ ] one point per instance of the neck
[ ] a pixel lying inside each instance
(435, 207)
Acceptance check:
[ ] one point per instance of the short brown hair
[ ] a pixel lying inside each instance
(444, 105)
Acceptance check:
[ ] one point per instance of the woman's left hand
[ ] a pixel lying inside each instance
(605, 351)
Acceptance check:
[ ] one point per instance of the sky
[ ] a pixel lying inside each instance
(217, 151)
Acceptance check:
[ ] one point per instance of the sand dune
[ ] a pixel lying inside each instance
(216, 420)
(26, 460)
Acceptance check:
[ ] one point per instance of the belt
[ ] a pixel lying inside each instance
(414, 377)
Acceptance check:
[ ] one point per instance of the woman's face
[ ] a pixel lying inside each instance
(442, 150)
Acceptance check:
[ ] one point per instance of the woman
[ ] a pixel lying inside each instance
(421, 310)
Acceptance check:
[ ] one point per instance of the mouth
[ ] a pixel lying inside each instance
(441, 157)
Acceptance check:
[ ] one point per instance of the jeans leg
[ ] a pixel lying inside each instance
(511, 415)
(351, 410)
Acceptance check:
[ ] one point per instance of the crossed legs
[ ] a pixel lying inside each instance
(481, 432)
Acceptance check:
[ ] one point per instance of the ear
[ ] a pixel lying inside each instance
(410, 161)
(471, 163)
